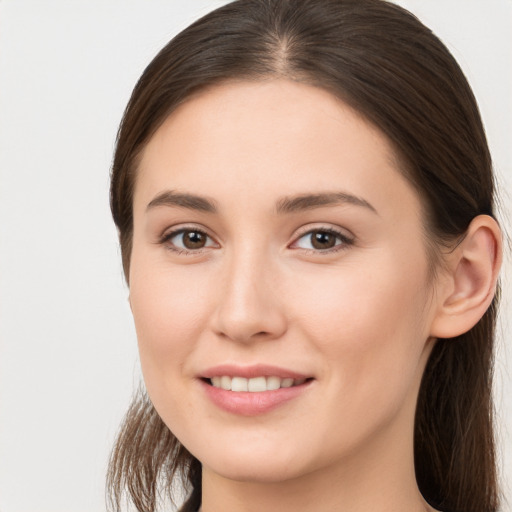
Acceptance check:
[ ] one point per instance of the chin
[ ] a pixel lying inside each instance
(244, 461)
(256, 471)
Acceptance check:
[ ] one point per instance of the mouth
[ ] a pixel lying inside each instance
(258, 384)
(254, 390)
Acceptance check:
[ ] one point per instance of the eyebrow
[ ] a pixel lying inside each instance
(182, 200)
(284, 205)
(310, 201)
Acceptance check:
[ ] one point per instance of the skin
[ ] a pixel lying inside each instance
(359, 320)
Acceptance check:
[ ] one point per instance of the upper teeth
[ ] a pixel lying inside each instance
(255, 384)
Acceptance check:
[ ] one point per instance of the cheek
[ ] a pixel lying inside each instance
(369, 327)
(169, 309)
(368, 320)
(358, 301)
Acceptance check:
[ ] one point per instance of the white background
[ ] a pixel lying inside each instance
(68, 360)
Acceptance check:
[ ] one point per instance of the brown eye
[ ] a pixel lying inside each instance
(322, 240)
(194, 239)
(187, 240)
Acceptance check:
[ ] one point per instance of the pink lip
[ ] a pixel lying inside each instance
(245, 403)
(248, 372)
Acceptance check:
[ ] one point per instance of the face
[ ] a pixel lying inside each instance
(279, 282)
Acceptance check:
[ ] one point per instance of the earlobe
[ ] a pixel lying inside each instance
(472, 279)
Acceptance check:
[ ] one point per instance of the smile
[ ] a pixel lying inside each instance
(255, 384)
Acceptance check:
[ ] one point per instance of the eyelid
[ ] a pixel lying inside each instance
(343, 232)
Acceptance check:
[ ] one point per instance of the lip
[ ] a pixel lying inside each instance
(249, 372)
(246, 403)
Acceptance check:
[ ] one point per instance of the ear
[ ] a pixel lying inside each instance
(469, 287)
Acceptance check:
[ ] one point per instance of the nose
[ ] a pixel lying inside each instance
(249, 305)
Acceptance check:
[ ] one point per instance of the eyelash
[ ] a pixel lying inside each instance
(345, 241)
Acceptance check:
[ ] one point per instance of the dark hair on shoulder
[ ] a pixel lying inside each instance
(383, 62)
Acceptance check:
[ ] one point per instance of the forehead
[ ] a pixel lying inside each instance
(252, 140)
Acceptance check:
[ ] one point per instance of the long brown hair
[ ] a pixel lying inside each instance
(379, 59)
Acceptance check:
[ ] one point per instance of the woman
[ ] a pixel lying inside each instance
(304, 198)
